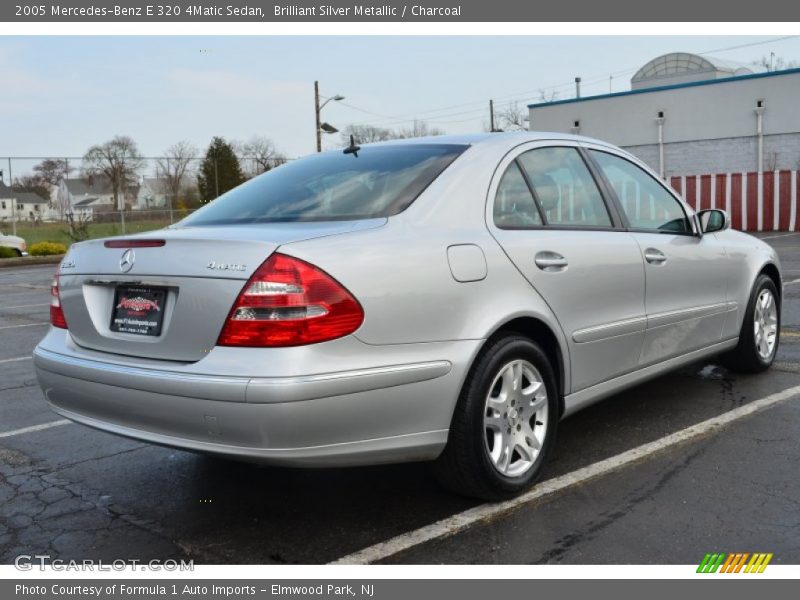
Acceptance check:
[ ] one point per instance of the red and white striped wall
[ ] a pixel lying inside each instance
(765, 203)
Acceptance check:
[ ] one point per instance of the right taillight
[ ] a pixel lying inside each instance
(57, 318)
(289, 302)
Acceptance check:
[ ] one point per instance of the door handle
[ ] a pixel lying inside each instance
(550, 261)
(654, 257)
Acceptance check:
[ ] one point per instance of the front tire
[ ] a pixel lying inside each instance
(761, 330)
(504, 423)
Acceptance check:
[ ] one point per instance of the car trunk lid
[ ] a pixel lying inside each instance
(169, 301)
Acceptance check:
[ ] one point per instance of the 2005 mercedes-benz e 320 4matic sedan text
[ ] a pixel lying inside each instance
(446, 299)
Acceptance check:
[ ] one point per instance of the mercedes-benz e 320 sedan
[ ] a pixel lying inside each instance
(446, 298)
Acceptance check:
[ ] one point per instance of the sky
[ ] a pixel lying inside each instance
(60, 95)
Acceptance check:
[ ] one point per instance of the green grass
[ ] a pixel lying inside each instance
(56, 232)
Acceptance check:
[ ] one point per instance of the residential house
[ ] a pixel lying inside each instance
(22, 206)
(151, 194)
(95, 193)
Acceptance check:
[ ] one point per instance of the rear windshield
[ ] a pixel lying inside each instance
(381, 181)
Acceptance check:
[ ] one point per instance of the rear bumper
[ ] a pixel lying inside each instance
(391, 412)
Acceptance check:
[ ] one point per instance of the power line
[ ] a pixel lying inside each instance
(518, 96)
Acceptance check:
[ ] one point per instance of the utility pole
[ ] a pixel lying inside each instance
(318, 124)
(216, 175)
(169, 192)
(317, 129)
(13, 201)
(491, 116)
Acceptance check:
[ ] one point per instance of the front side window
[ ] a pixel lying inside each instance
(378, 181)
(564, 187)
(645, 202)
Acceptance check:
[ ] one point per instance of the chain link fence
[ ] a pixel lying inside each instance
(54, 199)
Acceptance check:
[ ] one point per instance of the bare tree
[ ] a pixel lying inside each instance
(77, 225)
(174, 167)
(32, 183)
(545, 96)
(261, 152)
(513, 117)
(418, 129)
(366, 134)
(46, 176)
(775, 63)
(119, 161)
(52, 171)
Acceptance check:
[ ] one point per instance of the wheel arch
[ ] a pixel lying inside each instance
(540, 332)
(771, 271)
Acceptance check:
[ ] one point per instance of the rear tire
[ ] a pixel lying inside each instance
(761, 330)
(504, 423)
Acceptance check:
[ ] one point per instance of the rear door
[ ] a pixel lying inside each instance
(552, 220)
(685, 274)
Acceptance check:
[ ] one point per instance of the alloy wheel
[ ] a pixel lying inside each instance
(765, 317)
(515, 418)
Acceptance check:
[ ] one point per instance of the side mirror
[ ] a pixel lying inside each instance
(713, 219)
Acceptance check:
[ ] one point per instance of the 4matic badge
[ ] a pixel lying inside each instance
(215, 266)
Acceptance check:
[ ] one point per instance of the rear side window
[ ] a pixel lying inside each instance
(645, 202)
(513, 205)
(379, 182)
(564, 188)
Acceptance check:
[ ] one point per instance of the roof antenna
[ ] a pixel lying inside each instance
(352, 148)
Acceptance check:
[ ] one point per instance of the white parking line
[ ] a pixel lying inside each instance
(792, 282)
(28, 286)
(772, 237)
(32, 428)
(25, 325)
(24, 306)
(17, 359)
(461, 521)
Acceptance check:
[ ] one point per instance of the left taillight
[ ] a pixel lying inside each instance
(289, 302)
(57, 318)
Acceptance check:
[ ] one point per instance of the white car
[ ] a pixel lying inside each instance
(14, 242)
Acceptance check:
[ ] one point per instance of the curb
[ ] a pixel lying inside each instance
(27, 261)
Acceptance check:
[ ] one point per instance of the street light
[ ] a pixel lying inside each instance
(319, 126)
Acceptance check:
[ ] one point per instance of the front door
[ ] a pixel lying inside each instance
(685, 274)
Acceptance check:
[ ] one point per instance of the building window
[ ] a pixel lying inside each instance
(4, 204)
(19, 206)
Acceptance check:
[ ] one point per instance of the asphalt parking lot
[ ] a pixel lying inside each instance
(73, 493)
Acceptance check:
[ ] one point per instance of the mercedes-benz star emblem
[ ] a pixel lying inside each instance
(127, 260)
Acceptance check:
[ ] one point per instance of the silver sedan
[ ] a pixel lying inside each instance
(446, 299)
